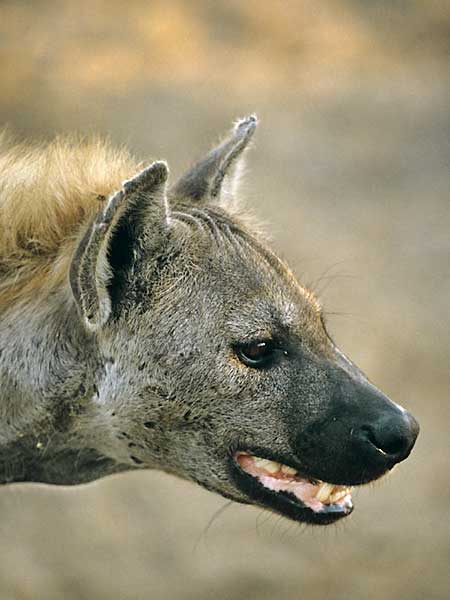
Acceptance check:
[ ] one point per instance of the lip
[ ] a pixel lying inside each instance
(282, 502)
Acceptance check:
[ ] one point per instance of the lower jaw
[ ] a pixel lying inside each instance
(292, 509)
(288, 506)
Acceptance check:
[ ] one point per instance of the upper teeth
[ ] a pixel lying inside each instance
(288, 470)
(330, 493)
(339, 495)
(324, 492)
(273, 467)
(268, 465)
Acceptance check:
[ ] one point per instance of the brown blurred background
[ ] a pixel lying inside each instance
(350, 169)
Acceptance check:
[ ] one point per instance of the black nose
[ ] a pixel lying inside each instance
(392, 435)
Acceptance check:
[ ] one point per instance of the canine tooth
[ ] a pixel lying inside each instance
(324, 491)
(288, 470)
(338, 495)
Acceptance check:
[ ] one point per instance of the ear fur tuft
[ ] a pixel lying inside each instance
(145, 181)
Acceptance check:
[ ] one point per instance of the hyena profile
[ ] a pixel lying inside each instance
(146, 327)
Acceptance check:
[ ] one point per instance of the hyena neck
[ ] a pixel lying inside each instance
(47, 404)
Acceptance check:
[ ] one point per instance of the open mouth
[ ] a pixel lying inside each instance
(282, 488)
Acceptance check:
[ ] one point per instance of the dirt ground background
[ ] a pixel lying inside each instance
(350, 169)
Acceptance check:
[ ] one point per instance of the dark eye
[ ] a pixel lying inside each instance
(258, 354)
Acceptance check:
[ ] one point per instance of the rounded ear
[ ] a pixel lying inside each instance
(132, 215)
(218, 171)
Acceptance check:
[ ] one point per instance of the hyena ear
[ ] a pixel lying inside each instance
(135, 216)
(218, 172)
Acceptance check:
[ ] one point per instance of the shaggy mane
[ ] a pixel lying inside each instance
(48, 193)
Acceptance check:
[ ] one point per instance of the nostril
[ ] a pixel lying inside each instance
(390, 437)
(369, 435)
(395, 444)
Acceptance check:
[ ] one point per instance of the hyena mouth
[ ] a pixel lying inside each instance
(281, 487)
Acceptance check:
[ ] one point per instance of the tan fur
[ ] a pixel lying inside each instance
(47, 194)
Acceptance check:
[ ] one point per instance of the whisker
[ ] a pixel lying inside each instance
(216, 515)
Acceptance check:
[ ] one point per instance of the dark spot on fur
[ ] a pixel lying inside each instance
(161, 261)
(159, 391)
(150, 424)
(131, 445)
(36, 342)
(138, 461)
(62, 417)
(142, 366)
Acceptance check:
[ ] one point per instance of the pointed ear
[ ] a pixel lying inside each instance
(218, 171)
(131, 217)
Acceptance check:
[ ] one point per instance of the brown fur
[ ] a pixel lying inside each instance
(48, 193)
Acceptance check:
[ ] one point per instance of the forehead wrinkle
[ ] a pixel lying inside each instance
(219, 227)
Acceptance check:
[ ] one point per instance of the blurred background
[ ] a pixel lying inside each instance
(350, 171)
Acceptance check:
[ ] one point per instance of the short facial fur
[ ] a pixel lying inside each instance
(158, 330)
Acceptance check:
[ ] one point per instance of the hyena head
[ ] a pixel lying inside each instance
(217, 363)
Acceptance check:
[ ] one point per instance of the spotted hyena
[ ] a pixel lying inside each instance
(147, 326)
